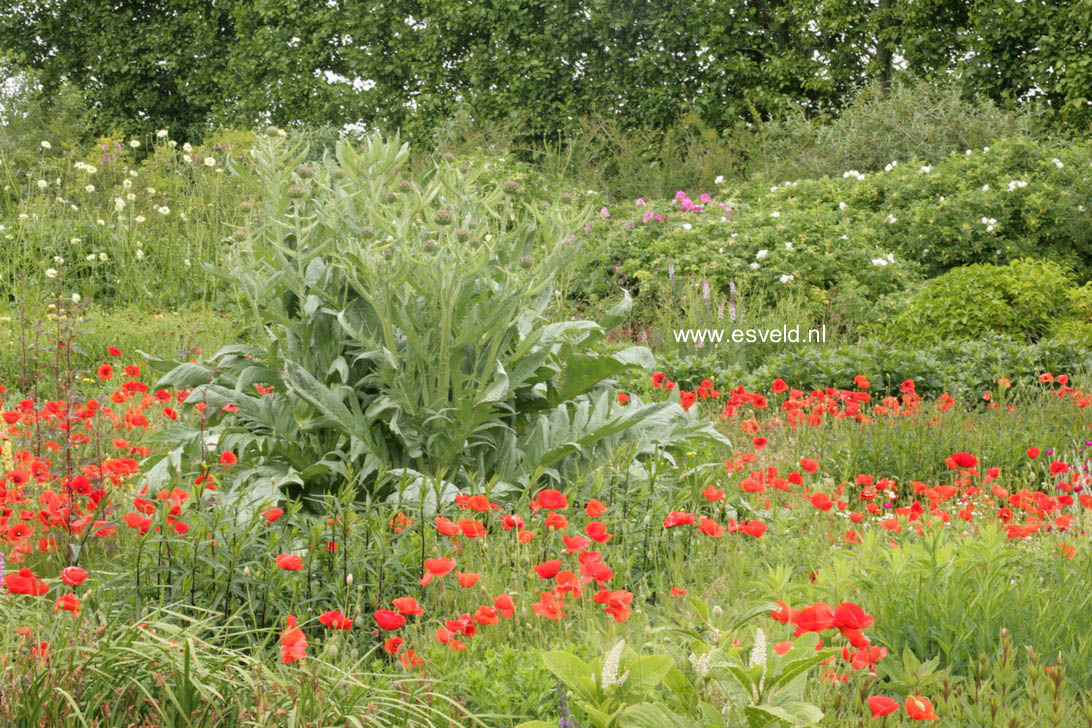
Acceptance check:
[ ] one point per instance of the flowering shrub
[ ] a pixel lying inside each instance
(865, 234)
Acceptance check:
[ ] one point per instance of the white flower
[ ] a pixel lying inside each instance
(786, 277)
(590, 192)
(719, 179)
(90, 188)
(879, 262)
(119, 204)
(91, 258)
(100, 221)
(890, 257)
(761, 254)
(46, 145)
(139, 218)
(1057, 163)
(687, 226)
(701, 664)
(891, 219)
(75, 298)
(150, 190)
(854, 174)
(841, 205)
(51, 272)
(163, 210)
(210, 162)
(126, 183)
(130, 197)
(758, 652)
(969, 152)
(58, 260)
(104, 257)
(788, 246)
(926, 169)
(985, 188)
(42, 184)
(187, 147)
(134, 173)
(172, 144)
(161, 134)
(775, 214)
(985, 149)
(609, 677)
(139, 254)
(134, 143)
(75, 241)
(1080, 208)
(755, 266)
(1016, 184)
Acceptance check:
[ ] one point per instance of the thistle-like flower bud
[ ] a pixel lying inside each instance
(443, 217)
(404, 185)
(511, 187)
(305, 171)
(295, 191)
(367, 232)
(462, 235)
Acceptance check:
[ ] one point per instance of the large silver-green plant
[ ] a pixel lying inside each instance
(408, 340)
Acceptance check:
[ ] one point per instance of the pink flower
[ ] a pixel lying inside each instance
(647, 217)
(640, 202)
(604, 212)
(705, 198)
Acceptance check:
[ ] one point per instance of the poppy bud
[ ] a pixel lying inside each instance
(246, 572)
(717, 611)
(348, 580)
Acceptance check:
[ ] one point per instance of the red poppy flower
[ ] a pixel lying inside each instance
(550, 500)
(779, 386)
(25, 582)
(106, 372)
(881, 705)
(809, 465)
(575, 544)
(505, 606)
(228, 458)
(595, 509)
(336, 620)
(623, 398)
(548, 569)
(68, 603)
(392, 645)
(408, 606)
(388, 620)
(755, 529)
(816, 618)
(919, 708)
(850, 616)
(679, 518)
(289, 562)
(486, 616)
(467, 580)
(435, 568)
(597, 532)
(113, 351)
(556, 521)
(549, 607)
(710, 527)
(293, 642)
(73, 575)
(965, 460)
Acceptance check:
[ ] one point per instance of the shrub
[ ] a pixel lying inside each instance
(405, 335)
(843, 242)
(1026, 299)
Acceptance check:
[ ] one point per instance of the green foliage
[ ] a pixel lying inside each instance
(959, 368)
(1027, 299)
(843, 243)
(915, 120)
(645, 64)
(406, 338)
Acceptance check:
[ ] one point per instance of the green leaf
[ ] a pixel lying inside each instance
(652, 715)
(571, 670)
